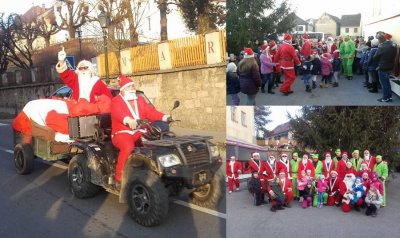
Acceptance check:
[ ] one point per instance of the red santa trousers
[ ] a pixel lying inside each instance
(125, 142)
(232, 181)
(289, 79)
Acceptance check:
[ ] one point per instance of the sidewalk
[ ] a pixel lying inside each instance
(349, 93)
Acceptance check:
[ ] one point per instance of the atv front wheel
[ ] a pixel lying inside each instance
(148, 199)
(23, 158)
(79, 178)
(209, 194)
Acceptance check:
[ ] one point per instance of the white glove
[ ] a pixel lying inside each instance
(131, 123)
(62, 55)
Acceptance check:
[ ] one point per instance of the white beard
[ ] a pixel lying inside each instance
(86, 83)
(328, 160)
(366, 158)
(304, 161)
(349, 182)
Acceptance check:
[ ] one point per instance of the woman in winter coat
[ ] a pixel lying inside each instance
(267, 68)
(249, 75)
(232, 83)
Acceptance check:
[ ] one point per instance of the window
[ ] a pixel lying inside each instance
(356, 30)
(243, 118)
(233, 114)
(347, 30)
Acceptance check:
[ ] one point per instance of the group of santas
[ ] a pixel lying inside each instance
(348, 180)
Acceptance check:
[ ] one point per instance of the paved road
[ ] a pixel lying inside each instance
(41, 205)
(246, 220)
(349, 92)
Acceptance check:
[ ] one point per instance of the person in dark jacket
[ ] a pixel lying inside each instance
(232, 83)
(385, 56)
(316, 69)
(249, 75)
(255, 188)
(372, 65)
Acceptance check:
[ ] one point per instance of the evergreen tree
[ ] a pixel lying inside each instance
(327, 128)
(261, 114)
(248, 21)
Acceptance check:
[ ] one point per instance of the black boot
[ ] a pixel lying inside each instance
(308, 89)
(335, 84)
(314, 85)
(271, 92)
(273, 209)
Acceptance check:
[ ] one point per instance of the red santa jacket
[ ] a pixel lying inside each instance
(120, 108)
(333, 186)
(340, 168)
(285, 56)
(264, 171)
(308, 166)
(286, 186)
(277, 67)
(327, 170)
(70, 78)
(280, 165)
(306, 49)
(270, 168)
(370, 163)
(232, 170)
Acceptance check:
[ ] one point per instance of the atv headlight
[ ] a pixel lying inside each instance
(214, 150)
(169, 160)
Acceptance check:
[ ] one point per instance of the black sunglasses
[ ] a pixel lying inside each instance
(83, 68)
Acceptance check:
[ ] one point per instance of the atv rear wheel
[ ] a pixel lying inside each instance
(147, 199)
(209, 194)
(79, 178)
(23, 158)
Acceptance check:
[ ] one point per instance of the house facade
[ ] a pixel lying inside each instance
(351, 25)
(281, 135)
(328, 24)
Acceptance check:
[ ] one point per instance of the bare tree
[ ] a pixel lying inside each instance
(76, 15)
(47, 26)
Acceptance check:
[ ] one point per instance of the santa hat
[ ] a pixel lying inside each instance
(283, 154)
(272, 156)
(336, 54)
(327, 154)
(248, 53)
(272, 45)
(345, 153)
(254, 154)
(365, 172)
(334, 172)
(388, 36)
(338, 150)
(124, 82)
(315, 156)
(295, 154)
(305, 37)
(305, 155)
(364, 163)
(366, 151)
(282, 171)
(287, 37)
(326, 55)
(263, 47)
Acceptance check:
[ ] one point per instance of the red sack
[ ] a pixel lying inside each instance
(57, 121)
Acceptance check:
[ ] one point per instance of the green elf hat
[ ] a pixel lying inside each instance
(338, 150)
(315, 155)
(295, 154)
(379, 156)
(356, 152)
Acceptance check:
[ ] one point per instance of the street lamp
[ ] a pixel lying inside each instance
(105, 23)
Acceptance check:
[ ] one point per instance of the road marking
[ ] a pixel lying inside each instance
(179, 202)
(2, 124)
(201, 209)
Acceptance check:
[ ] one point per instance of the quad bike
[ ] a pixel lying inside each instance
(161, 165)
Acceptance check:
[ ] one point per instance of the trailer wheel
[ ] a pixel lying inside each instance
(23, 158)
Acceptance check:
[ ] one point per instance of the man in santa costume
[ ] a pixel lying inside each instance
(83, 82)
(126, 109)
(306, 164)
(285, 57)
(328, 165)
(364, 169)
(271, 165)
(284, 164)
(346, 191)
(286, 187)
(306, 48)
(369, 160)
(294, 163)
(233, 169)
(341, 166)
(333, 188)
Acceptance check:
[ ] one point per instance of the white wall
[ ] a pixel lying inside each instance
(235, 129)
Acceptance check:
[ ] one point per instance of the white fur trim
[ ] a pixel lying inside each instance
(126, 85)
(61, 67)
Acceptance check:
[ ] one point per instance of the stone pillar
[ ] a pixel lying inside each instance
(126, 61)
(164, 56)
(213, 48)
